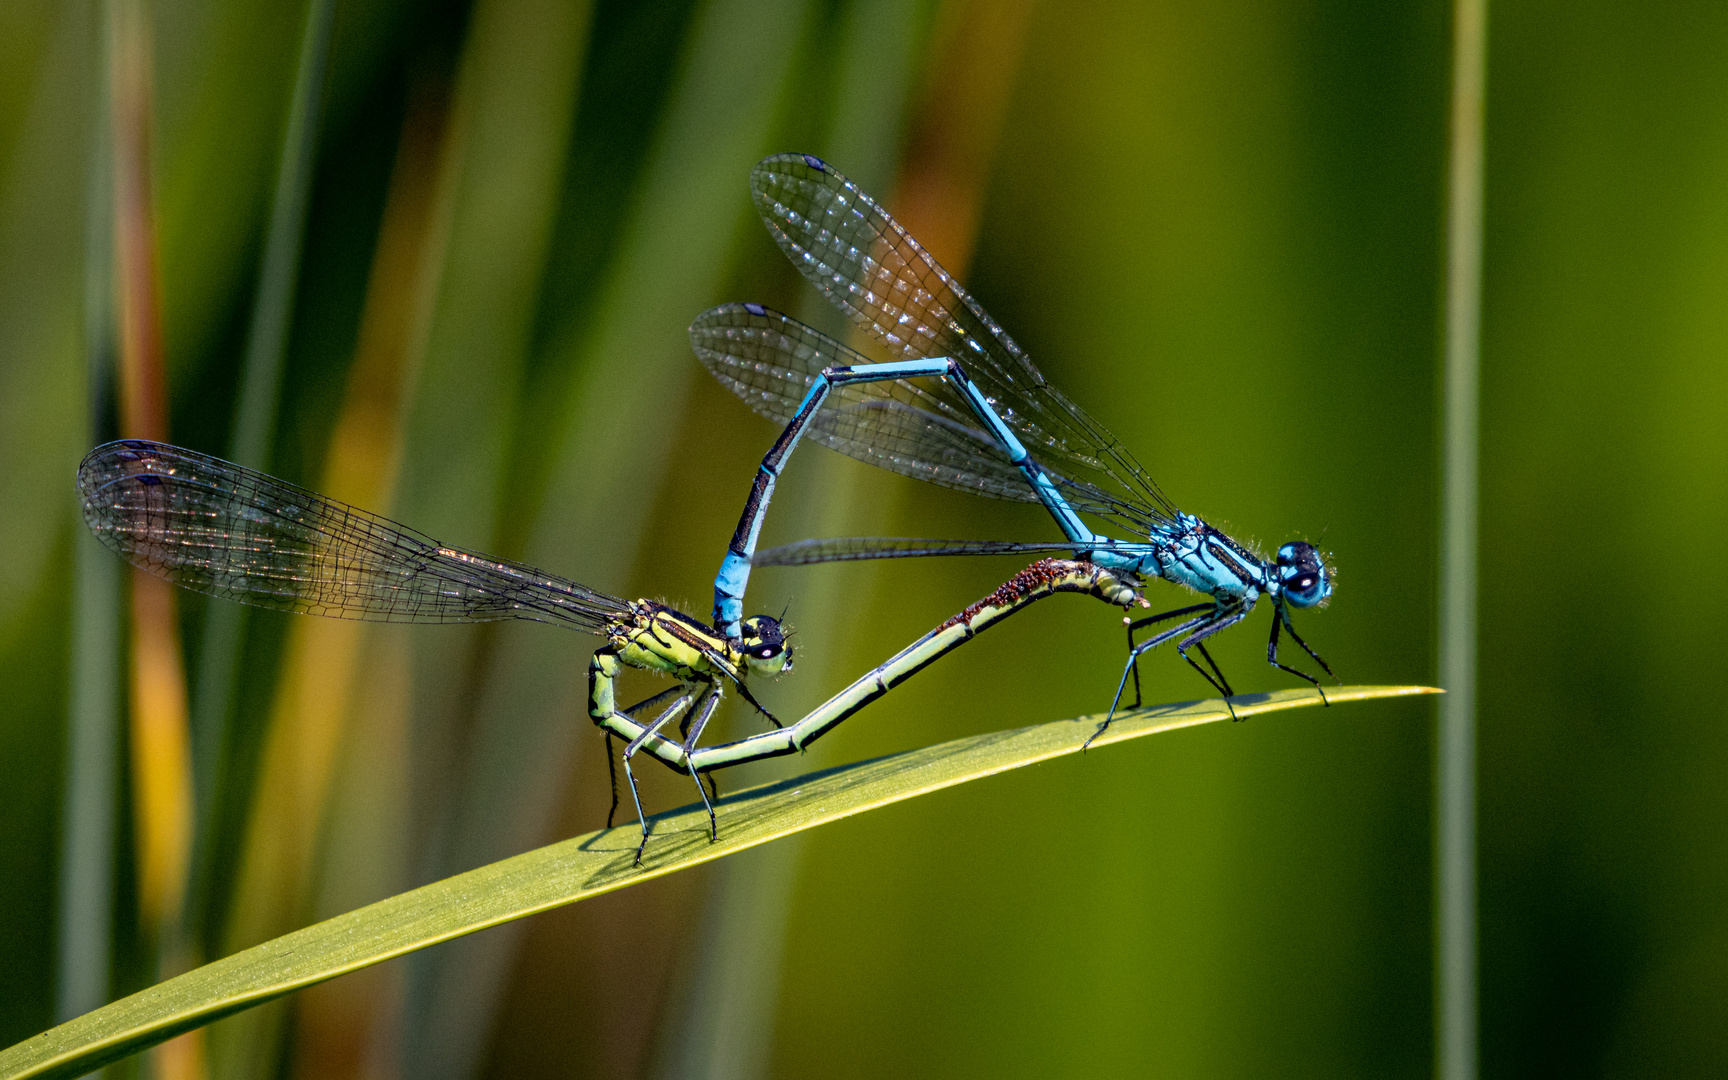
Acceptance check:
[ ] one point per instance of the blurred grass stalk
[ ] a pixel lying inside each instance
(364, 857)
(253, 432)
(1456, 1020)
(314, 709)
(160, 747)
(724, 1027)
(513, 112)
(90, 813)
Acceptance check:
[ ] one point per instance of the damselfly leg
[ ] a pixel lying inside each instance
(704, 700)
(631, 712)
(1134, 655)
(1193, 633)
(1198, 640)
(1283, 617)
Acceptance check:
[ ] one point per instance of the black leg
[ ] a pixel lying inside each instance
(757, 705)
(630, 749)
(1151, 620)
(1224, 684)
(713, 826)
(1282, 618)
(1324, 666)
(1221, 684)
(1229, 618)
(720, 664)
(700, 714)
(1134, 655)
(612, 773)
(1134, 666)
(713, 786)
(704, 709)
(1272, 658)
(636, 796)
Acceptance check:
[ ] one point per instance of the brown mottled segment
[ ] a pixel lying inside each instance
(1045, 576)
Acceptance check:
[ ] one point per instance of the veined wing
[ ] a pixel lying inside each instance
(859, 548)
(217, 528)
(770, 360)
(871, 267)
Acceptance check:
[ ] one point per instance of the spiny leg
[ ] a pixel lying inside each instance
(611, 762)
(612, 774)
(1133, 655)
(636, 796)
(611, 767)
(650, 702)
(720, 664)
(1196, 639)
(630, 774)
(701, 714)
(1150, 620)
(1220, 683)
(703, 710)
(1272, 658)
(1282, 616)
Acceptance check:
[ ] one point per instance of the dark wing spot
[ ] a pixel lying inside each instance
(756, 309)
(815, 162)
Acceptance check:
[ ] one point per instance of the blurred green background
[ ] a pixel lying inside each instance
(1217, 226)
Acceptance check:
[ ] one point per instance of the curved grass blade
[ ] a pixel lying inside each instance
(585, 866)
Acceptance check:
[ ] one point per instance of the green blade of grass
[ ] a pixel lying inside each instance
(585, 866)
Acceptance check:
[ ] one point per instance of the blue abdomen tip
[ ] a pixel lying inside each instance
(815, 162)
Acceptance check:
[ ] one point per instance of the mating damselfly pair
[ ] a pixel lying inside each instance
(981, 418)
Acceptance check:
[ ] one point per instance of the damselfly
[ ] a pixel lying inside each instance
(230, 532)
(983, 419)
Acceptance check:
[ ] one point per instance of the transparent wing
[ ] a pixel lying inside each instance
(770, 360)
(229, 532)
(870, 267)
(916, 429)
(859, 548)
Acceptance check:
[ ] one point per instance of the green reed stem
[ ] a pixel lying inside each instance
(1455, 818)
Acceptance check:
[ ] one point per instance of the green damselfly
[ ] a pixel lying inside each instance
(230, 532)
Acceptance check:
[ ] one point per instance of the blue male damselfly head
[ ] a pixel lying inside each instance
(1302, 575)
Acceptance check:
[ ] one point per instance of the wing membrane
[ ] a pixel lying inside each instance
(770, 360)
(227, 531)
(917, 429)
(867, 264)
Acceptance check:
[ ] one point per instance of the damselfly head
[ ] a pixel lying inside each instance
(1302, 575)
(764, 646)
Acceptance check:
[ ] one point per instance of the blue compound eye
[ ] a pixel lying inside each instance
(1302, 575)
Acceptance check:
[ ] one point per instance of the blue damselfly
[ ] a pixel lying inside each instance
(981, 418)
